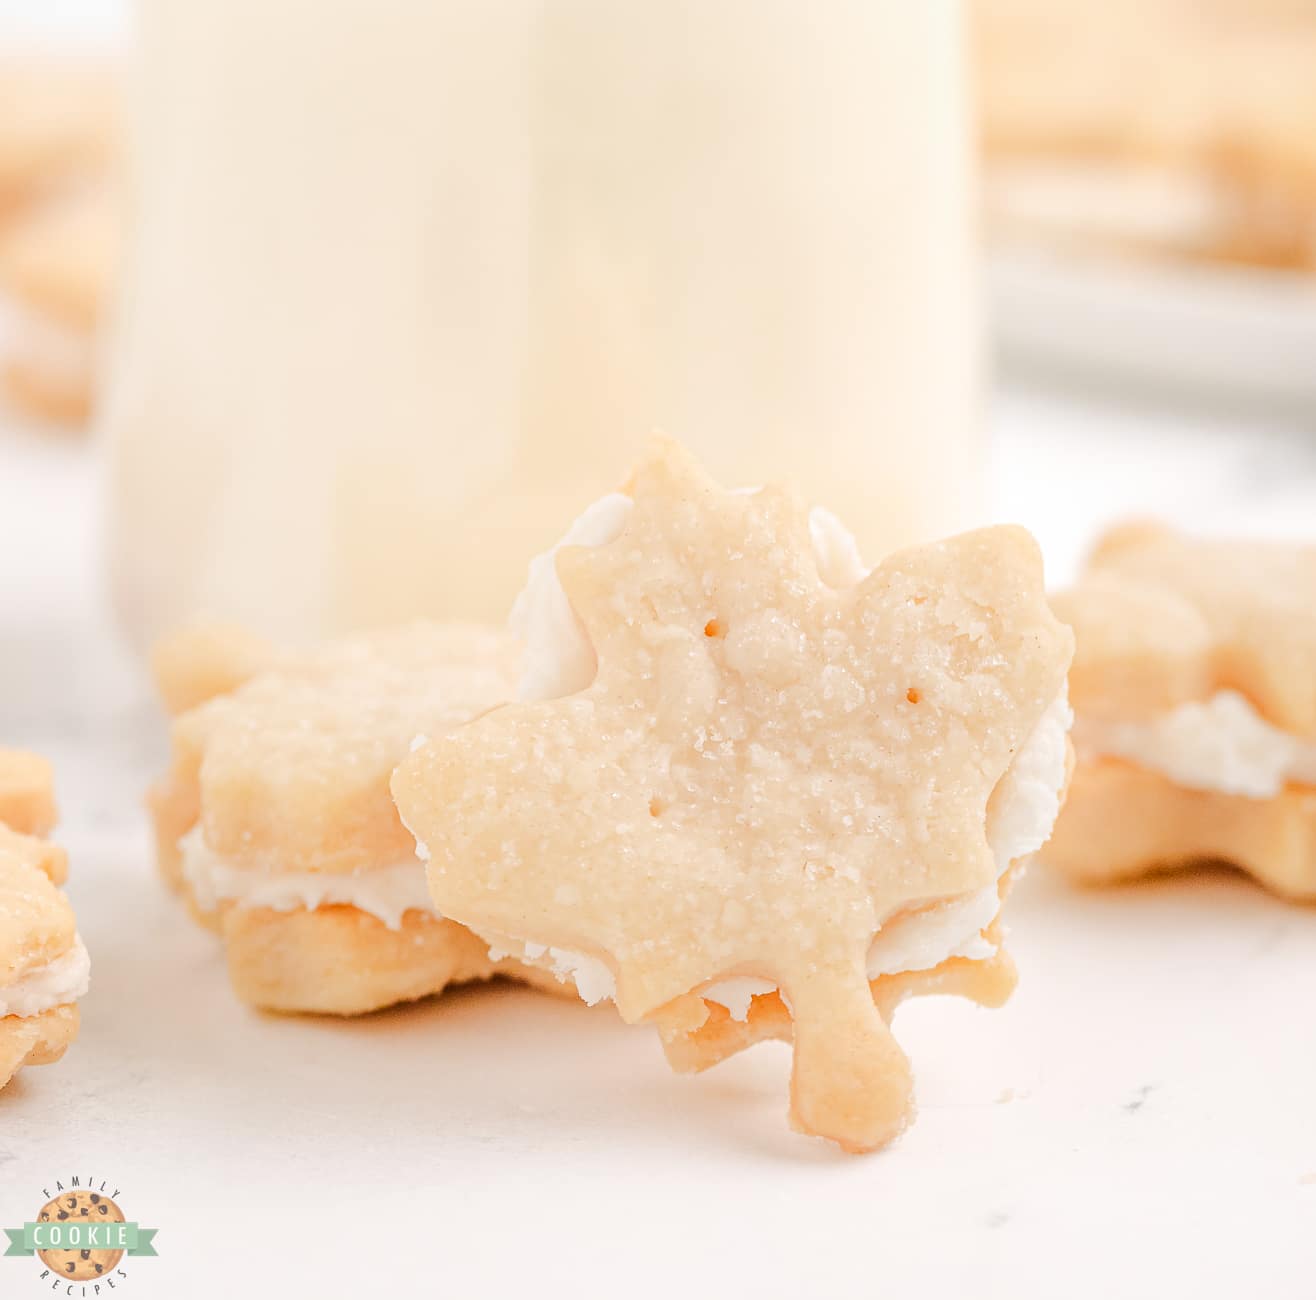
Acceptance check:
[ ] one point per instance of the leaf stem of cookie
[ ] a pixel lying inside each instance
(850, 1081)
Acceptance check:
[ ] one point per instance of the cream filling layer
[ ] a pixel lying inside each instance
(387, 892)
(1222, 745)
(593, 979)
(560, 661)
(46, 987)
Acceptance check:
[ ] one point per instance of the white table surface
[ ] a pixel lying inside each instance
(1140, 1120)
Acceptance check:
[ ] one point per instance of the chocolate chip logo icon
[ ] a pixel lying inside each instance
(80, 1234)
(86, 1262)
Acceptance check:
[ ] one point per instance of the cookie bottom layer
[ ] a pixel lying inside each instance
(697, 1037)
(341, 961)
(35, 1040)
(333, 960)
(1122, 821)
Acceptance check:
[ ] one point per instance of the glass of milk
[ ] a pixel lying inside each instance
(411, 283)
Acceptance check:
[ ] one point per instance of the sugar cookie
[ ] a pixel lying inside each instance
(59, 118)
(1194, 686)
(1184, 131)
(275, 818)
(205, 659)
(56, 266)
(44, 967)
(27, 793)
(748, 788)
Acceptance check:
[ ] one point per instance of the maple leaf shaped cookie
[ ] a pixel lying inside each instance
(762, 772)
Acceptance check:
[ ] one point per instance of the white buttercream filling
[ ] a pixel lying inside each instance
(1026, 811)
(55, 984)
(560, 661)
(1222, 744)
(387, 892)
(593, 979)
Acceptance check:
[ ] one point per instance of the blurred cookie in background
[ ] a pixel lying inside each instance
(59, 118)
(59, 229)
(1179, 128)
(57, 263)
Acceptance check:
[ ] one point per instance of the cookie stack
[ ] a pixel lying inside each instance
(727, 778)
(275, 819)
(1195, 689)
(44, 968)
(721, 775)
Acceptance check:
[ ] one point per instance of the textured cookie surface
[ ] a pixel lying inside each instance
(1162, 618)
(293, 766)
(284, 764)
(342, 961)
(36, 922)
(37, 925)
(764, 770)
(49, 859)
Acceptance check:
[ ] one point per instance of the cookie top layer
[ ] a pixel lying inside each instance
(36, 921)
(1163, 619)
(197, 662)
(27, 793)
(763, 768)
(293, 766)
(49, 859)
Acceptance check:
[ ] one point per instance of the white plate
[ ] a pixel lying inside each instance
(1209, 330)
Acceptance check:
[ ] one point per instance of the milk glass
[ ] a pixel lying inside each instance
(410, 284)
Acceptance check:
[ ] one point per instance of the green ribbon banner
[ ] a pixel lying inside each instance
(76, 1235)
